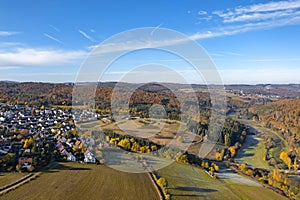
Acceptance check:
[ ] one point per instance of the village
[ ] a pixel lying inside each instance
(31, 137)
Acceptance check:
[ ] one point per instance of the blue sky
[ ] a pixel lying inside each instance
(249, 41)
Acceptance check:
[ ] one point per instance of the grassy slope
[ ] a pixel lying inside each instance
(187, 182)
(81, 181)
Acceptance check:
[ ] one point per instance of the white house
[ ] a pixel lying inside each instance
(71, 157)
(89, 157)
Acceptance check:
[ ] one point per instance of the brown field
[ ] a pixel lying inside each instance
(7, 178)
(85, 181)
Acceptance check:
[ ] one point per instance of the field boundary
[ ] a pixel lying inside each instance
(153, 179)
(5, 189)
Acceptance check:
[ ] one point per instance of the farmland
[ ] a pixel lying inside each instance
(7, 178)
(83, 181)
(187, 182)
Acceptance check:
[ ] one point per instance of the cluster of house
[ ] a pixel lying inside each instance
(33, 119)
(52, 125)
(81, 116)
(65, 148)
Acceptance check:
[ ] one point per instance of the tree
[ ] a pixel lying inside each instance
(31, 140)
(215, 166)
(153, 147)
(286, 159)
(182, 158)
(220, 155)
(26, 144)
(162, 182)
(243, 167)
(232, 151)
(125, 144)
(283, 155)
(135, 147)
(83, 148)
(19, 168)
(31, 168)
(289, 162)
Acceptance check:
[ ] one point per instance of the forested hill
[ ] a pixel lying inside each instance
(283, 116)
(59, 94)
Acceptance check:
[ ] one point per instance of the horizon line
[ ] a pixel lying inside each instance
(91, 82)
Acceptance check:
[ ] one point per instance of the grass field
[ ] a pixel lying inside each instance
(187, 182)
(7, 178)
(253, 152)
(268, 132)
(83, 181)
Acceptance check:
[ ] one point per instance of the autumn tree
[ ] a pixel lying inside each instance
(162, 182)
(125, 144)
(232, 151)
(286, 159)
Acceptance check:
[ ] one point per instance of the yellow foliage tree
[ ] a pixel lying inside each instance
(283, 155)
(295, 164)
(125, 144)
(135, 147)
(26, 144)
(243, 167)
(220, 155)
(162, 182)
(286, 159)
(153, 148)
(216, 167)
(83, 148)
(232, 151)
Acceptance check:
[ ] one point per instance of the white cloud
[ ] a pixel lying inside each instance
(7, 33)
(53, 38)
(261, 16)
(249, 22)
(84, 34)
(260, 12)
(22, 57)
(270, 6)
(217, 32)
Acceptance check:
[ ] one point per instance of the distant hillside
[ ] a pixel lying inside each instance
(283, 116)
